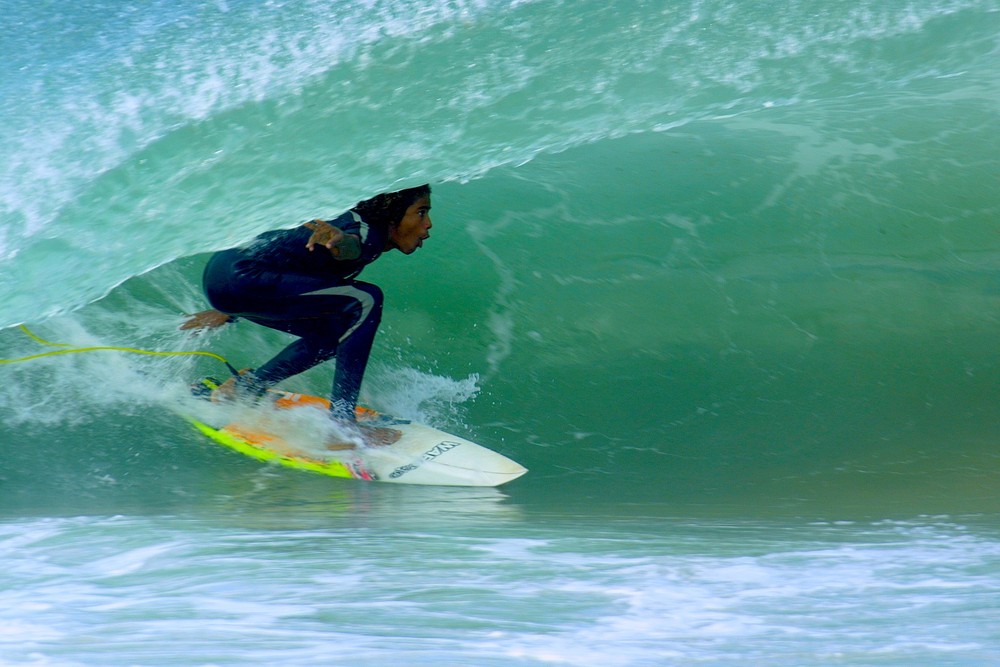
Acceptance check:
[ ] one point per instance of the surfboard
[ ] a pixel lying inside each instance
(422, 455)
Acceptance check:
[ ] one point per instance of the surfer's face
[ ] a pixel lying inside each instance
(413, 229)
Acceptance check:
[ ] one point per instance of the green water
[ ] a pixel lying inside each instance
(721, 275)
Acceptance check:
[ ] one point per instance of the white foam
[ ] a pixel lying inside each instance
(409, 393)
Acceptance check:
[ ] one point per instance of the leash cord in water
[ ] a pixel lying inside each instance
(76, 350)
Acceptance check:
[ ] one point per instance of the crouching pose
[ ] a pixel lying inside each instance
(302, 281)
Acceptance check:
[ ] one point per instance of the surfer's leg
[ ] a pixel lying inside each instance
(336, 321)
(343, 325)
(352, 355)
(295, 358)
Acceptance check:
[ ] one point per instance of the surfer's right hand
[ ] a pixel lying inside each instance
(324, 234)
(206, 319)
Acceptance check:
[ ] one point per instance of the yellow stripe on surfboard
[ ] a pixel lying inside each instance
(333, 467)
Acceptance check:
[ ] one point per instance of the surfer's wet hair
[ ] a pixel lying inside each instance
(387, 209)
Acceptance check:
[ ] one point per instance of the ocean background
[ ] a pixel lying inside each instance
(723, 275)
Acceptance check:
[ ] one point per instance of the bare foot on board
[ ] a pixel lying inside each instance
(379, 436)
(374, 436)
(228, 390)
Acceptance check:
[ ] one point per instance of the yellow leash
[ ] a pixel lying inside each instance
(76, 350)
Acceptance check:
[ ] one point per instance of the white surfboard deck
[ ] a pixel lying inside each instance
(422, 455)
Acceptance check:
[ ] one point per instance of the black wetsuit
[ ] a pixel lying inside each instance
(277, 282)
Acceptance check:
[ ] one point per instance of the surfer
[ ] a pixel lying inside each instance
(302, 281)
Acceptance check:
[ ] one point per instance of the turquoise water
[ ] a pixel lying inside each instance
(722, 275)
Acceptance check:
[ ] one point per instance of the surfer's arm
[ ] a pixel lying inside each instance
(340, 244)
(207, 319)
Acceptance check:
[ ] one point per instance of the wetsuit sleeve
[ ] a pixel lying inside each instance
(372, 242)
(284, 251)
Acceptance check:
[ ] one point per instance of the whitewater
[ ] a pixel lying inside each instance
(722, 275)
